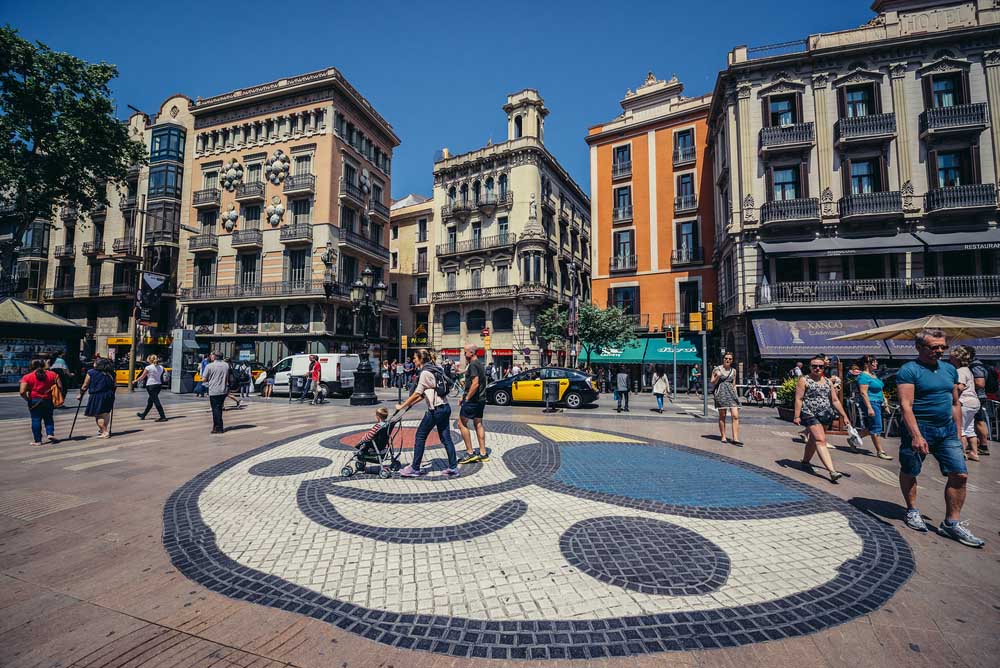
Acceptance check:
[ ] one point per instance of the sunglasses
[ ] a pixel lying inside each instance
(936, 347)
(817, 366)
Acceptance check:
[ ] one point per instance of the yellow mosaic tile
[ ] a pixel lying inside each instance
(568, 434)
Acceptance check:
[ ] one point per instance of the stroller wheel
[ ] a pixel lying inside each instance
(395, 466)
(347, 471)
(360, 466)
(384, 473)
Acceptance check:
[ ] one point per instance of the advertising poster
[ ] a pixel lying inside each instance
(148, 298)
(801, 338)
(16, 355)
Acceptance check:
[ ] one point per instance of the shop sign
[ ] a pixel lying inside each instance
(119, 340)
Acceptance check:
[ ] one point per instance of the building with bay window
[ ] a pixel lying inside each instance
(855, 179)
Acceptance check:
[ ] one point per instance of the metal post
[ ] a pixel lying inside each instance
(676, 332)
(704, 374)
(134, 324)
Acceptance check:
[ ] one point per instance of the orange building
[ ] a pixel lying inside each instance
(652, 206)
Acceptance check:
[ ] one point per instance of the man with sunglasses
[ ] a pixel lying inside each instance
(928, 397)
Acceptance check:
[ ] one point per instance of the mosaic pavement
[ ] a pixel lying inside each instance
(569, 543)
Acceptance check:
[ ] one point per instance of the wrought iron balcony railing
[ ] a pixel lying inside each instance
(417, 300)
(296, 232)
(203, 242)
(73, 292)
(162, 236)
(472, 294)
(973, 196)
(622, 213)
(271, 289)
(684, 154)
(348, 189)
(695, 255)
(623, 263)
(790, 210)
(787, 136)
(248, 192)
(866, 127)
(421, 267)
(887, 290)
(640, 321)
(30, 252)
(93, 248)
(300, 183)
(686, 202)
(871, 204)
(473, 245)
(380, 209)
(64, 252)
(960, 117)
(363, 243)
(68, 212)
(126, 246)
(207, 197)
(621, 169)
(250, 237)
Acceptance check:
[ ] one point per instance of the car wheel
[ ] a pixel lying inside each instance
(325, 389)
(501, 398)
(574, 400)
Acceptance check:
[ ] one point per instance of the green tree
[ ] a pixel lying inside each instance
(600, 329)
(551, 325)
(60, 142)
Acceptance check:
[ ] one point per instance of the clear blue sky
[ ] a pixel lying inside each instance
(437, 71)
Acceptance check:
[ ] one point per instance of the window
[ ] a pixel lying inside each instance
(687, 240)
(502, 181)
(349, 269)
(37, 235)
(859, 101)
(452, 280)
(475, 321)
(207, 219)
(253, 173)
(503, 320)
(70, 235)
(301, 211)
(625, 299)
(782, 110)
(624, 243)
(953, 169)
(451, 196)
(303, 165)
(204, 272)
(464, 194)
(502, 275)
(946, 90)
(685, 186)
(786, 183)
(251, 217)
(477, 234)
(248, 269)
(684, 140)
(124, 315)
(476, 192)
(489, 188)
(518, 123)
(421, 290)
(350, 174)
(689, 298)
(422, 259)
(864, 177)
(377, 189)
(298, 270)
(452, 238)
(394, 260)
(211, 180)
(165, 181)
(503, 228)
(395, 231)
(98, 234)
(422, 230)
(477, 278)
(623, 198)
(95, 276)
(167, 144)
(623, 155)
(452, 321)
(394, 290)
(376, 230)
(347, 218)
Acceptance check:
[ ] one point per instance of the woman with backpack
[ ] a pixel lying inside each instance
(100, 382)
(153, 375)
(36, 388)
(432, 387)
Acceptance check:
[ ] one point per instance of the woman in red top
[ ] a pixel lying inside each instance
(36, 388)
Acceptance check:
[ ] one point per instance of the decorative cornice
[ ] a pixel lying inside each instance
(858, 76)
(991, 58)
(781, 86)
(898, 70)
(946, 64)
(820, 81)
(743, 90)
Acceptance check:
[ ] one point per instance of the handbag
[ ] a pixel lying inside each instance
(58, 399)
(614, 394)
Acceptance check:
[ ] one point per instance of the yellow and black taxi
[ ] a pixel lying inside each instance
(576, 388)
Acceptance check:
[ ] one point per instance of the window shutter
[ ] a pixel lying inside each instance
(797, 108)
(637, 304)
(876, 99)
(765, 112)
(842, 103)
(803, 180)
(845, 176)
(973, 164)
(611, 298)
(883, 173)
(927, 82)
(932, 171)
(769, 183)
(966, 97)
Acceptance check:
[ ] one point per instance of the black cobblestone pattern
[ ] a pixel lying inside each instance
(275, 468)
(646, 555)
(863, 585)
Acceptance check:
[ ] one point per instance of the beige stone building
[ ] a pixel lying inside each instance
(410, 257)
(856, 178)
(290, 204)
(511, 236)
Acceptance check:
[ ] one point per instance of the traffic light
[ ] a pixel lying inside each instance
(709, 317)
(668, 334)
(694, 321)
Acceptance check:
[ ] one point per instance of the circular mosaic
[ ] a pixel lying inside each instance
(568, 544)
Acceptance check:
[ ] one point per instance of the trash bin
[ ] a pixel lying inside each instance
(550, 391)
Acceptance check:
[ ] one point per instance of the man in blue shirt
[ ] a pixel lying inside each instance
(928, 397)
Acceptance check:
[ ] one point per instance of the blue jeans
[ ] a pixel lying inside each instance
(42, 412)
(659, 401)
(873, 423)
(942, 442)
(440, 418)
(305, 389)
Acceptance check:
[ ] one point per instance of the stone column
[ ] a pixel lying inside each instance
(747, 152)
(991, 61)
(897, 73)
(199, 143)
(824, 144)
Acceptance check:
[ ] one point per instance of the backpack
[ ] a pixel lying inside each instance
(233, 379)
(442, 386)
(992, 379)
(242, 375)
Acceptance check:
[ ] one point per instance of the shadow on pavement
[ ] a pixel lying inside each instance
(880, 509)
(239, 426)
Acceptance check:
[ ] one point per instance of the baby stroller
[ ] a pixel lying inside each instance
(381, 450)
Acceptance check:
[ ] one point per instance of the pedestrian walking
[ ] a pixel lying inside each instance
(36, 389)
(622, 389)
(871, 402)
(515, 369)
(432, 388)
(58, 364)
(472, 407)
(268, 388)
(313, 361)
(385, 374)
(661, 386)
(961, 357)
(816, 405)
(217, 382)
(153, 375)
(694, 380)
(727, 401)
(928, 399)
(235, 381)
(981, 375)
(201, 389)
(100, 383)
(797, 371)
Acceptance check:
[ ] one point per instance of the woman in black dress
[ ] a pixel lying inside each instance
(100, 382)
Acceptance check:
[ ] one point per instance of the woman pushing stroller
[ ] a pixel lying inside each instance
(434, 393)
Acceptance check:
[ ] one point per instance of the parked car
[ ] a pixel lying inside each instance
(576, 388)
(336, 372)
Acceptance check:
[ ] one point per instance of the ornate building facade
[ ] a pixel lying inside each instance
(651, 198)
(856, 178)
(410, 256)
(511, 237)
(290, 204)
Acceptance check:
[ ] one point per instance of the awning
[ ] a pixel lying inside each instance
(631, 353)
(832, 246)
(15, 313)
(985, 348)
(658, 351)
(778, 338)
(950, 241)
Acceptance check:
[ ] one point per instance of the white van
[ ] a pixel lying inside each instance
(336, 372)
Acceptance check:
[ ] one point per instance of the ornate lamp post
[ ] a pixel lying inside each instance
(367, 300)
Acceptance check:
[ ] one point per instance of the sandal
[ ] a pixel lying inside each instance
(835, 476)
(884, 455)
(972, 456)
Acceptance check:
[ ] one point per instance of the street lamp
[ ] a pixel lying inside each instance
(367, 300)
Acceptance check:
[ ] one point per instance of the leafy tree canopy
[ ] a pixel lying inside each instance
(597, 328)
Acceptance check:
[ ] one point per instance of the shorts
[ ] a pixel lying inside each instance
(969, 420)
(981, 413)
(943, 444)
(810, 420)
(269, 381)
(873, 423)
(472, 409)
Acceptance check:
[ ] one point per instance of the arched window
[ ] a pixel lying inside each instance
(476, 320)
(465, 194)
(517, 127)
(503, 320)
(503, 185)
(451, 195)
(489, 187)
(452, 322)
(476, 188)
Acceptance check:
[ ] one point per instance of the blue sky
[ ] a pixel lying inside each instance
(437, 71)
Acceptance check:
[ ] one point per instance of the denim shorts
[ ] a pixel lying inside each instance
(873, 423)
(943, 444)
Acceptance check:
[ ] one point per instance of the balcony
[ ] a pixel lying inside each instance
(359, 242)
(476, 294)
(684, 155)
(850, 293)
(477, 245)
(684, 255)
(640, 322)
(419, 300)
(307, 288)
(207, 242)
(865, 129)
(790, 210)
(206, 198)
(68, 212)
(380, 210)
(488, 203)
(71, 292)
(128, 202)
(300, 183)
(961, 198)
(32, 252)
(622, 263)
(352, 192)
(250, 192)
(777, 139)
(421, 267)
(685, 203)
(621, 170)
(958, 119)
(297, 233)
(66, 252)
(458, 210)
(251, 238)
(155, 237)
(871, 206)
(622, 214)
(99, 211)
(93, 248)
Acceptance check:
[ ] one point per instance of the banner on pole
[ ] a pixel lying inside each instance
(147, 299)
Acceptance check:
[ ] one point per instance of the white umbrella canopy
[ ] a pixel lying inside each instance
(953, 327)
